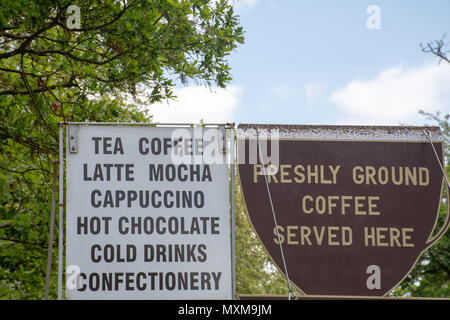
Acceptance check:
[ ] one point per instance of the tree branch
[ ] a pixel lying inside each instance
(19, 72)
(24, 171)
(25, 44)
(67, 54)
(435, 48)
(24, 242)
(38, 90)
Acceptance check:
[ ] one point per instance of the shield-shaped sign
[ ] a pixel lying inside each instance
(351, 208)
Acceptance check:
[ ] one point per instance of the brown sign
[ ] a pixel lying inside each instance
(355, 206)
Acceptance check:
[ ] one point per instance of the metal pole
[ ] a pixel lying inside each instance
(146, 124)
(52, 227)
(233, 234)
(61, 211)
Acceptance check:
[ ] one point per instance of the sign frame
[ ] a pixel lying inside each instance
(70, 143)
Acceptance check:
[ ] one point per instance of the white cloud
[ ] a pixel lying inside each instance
(395, 95)
(196, 103)
(283, 91)
(313, 91)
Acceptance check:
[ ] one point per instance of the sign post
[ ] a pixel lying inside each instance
(148, 212)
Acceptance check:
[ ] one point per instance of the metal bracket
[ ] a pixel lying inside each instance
(222, 140)
(72, 137)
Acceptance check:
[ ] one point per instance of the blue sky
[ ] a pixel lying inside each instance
(317, 62)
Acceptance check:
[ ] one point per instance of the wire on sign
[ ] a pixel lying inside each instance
(290, 291)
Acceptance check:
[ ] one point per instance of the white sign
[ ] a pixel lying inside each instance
(147, 213)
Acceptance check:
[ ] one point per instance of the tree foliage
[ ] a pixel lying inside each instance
(53, 70)
(431, 275)
(255, 272)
